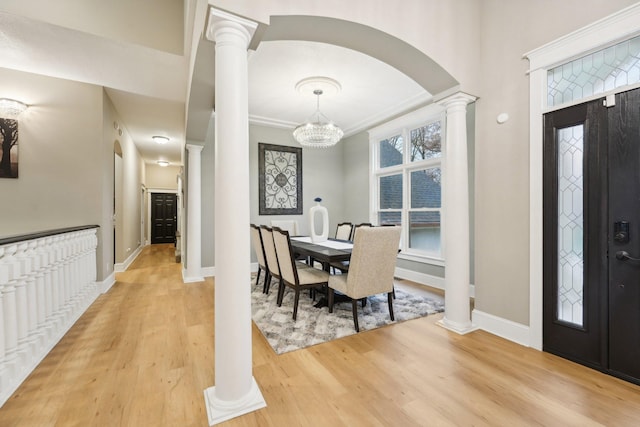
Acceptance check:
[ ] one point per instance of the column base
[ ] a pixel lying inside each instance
(219, 410)
(457, 327)
(191, 279)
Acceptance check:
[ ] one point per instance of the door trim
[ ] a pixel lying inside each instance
(622, 25)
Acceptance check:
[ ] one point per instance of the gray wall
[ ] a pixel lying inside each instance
(510, 29)
(66, 160)
(355, 152)
(322, 176)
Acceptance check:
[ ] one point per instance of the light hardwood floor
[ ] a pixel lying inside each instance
(143, 354)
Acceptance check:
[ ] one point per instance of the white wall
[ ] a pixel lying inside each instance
(447, 31)
(157, 24)
(159, 177)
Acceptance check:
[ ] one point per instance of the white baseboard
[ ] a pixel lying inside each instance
(427, 279)
(208, 271)
(107, 283)
(507, 329)
(191, 279)
(120, 267)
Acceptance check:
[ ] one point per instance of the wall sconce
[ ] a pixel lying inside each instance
(163, 163)
(160, 139)
(10, 108)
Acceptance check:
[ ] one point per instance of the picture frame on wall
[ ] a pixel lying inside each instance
(280, 179)
(8, 148)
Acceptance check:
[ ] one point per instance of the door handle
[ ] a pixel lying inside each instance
(624, 256)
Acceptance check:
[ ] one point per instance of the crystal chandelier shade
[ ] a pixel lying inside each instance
(320, 133)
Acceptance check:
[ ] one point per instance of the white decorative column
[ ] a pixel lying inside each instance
(194, 216)
(457, 311)
(236, 391)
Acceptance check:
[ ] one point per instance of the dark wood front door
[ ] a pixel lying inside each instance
(624, 212)
(591, 205)
(163, 218)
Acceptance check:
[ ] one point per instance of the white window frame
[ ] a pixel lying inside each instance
(403, 126)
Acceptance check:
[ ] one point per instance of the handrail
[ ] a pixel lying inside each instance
(39, 234)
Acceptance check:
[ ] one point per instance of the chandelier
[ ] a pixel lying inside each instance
(320, 133)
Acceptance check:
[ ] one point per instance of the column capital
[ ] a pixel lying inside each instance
(194, 148)
(219, 19)
(457, 99)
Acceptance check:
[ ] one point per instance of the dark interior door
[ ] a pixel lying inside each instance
(163, 218)
(591, 207)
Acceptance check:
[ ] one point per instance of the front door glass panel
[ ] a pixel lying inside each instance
(570, 298)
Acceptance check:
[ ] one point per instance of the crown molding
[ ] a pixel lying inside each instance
(363, 125)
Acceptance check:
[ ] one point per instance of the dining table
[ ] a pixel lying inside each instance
(326, 252)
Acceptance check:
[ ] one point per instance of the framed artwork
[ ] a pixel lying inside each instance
(280, 179)
(9, 148)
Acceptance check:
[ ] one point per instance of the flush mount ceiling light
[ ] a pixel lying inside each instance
(10, 108)
(160, 139)
(318, 131)
(163, 163)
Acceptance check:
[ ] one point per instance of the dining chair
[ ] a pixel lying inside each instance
(294, 274)
(343, 231)
(343, 266)
(258, 248)
(371, 269)
(270, 256)
(291, 225)
(355, 227)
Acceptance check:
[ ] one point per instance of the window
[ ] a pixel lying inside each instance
(406, 180)
(596, 73)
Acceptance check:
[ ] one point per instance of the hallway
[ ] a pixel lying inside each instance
(143, 354)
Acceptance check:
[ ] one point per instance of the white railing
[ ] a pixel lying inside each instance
(47, 280)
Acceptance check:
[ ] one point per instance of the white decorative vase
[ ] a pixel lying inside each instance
(324, 235)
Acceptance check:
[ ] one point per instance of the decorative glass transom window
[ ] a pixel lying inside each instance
(406, 179)
(594, 74)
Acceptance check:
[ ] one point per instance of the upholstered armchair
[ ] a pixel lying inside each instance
(371, 268)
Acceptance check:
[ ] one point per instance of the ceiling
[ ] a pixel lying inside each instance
(148, 86)
(371, 90)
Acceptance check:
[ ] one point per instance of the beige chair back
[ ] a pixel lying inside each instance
(270, 251)
(289, 225)
(373, 261)
(355, 227)
(258, 247)
(286, 261)
(343, 231)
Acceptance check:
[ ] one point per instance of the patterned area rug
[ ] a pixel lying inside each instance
(317, 325)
